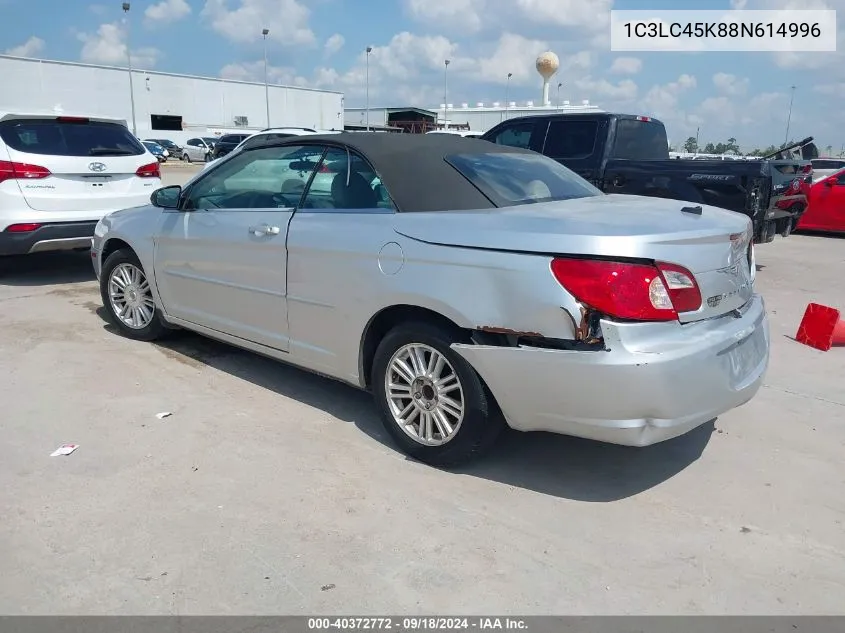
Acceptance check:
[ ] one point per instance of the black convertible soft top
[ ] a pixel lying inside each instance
(413, 167)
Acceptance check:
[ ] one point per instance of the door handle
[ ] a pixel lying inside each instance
(264, 229)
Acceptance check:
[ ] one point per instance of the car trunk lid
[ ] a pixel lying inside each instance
(713, 244)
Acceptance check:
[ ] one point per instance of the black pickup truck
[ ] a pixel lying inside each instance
(621, 153)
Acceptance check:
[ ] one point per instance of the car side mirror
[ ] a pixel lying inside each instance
(167, 197)
(829, 183)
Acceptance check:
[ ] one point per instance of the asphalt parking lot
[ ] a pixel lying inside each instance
(269, 490)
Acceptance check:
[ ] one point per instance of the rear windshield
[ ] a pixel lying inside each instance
(640, 140)
(69, 138)
(515, 179)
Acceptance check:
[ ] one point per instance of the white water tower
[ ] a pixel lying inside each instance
(547, 64)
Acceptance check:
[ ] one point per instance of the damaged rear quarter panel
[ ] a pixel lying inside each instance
(493, 291)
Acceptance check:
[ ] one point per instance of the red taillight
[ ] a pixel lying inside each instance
(324, 169)
(149, 171)
(639, 292)
(22, 228)
(72, 119)
(14, 171)
(643, 118)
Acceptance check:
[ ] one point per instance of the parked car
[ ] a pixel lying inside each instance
(272, 133)
(826, 211)
(60, 174)
(621, 153)
(174, 150)
(198, 148)
(227, 143)
(824, 167)
(489, 285)
(156, 150)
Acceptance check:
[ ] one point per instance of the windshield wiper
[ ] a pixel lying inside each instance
(108, 151)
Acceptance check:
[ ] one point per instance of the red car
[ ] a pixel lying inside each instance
(826, 210)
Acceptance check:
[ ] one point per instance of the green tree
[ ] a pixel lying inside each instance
(690, 145)
(732, 146)
(710, 148)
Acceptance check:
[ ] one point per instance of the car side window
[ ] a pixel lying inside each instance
(517, 135)
(264, 178)
(193, 142)
(840, 178)
(345, 181)
(571, 139)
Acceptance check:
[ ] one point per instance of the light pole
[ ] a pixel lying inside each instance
(369, 50)
(264, 34)
(445, 95)
(558, 95)
(789, 116)
(697, 133)
(507, 93)
(129, 67)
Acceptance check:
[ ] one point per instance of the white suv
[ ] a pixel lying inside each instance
(60, 174)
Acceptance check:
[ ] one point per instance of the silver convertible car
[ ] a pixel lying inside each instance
(467, 285)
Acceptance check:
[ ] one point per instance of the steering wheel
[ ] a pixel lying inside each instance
(257, 200)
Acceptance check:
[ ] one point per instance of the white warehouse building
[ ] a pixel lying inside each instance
(166, 105)
(478, 118)
(481, 117)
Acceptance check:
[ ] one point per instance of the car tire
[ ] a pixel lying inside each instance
(186, 158)
(124, 268)
(480, 423)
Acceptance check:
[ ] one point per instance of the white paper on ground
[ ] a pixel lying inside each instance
(64, 449)
(163, 414)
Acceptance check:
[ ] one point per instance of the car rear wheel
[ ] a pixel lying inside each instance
(128, 298)
(432, 402)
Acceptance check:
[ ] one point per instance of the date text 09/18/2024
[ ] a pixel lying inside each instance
(431, 623)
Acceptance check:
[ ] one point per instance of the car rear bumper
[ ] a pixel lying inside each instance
(646, 388)
(51, 236)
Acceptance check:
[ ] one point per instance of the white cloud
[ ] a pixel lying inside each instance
(471, 16)
(662, 101)
(32, 47)
(626, 65)
(167, 10)
(108, 46)
(594, 14)
(287, 21)
(513, 54)
(730, 84)
(334, 44)
(836, 90)
(460, 15)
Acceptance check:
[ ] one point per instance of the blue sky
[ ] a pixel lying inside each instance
(321, 43)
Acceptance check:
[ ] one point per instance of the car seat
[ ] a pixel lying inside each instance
(356, 194)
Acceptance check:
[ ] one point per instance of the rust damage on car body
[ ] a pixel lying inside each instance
(587, 335)
(493, 329)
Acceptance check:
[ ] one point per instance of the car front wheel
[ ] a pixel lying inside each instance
(128, 299)
(432, 402)
(186, 158)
